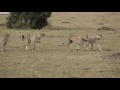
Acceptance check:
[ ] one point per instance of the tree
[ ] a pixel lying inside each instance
(34, 20)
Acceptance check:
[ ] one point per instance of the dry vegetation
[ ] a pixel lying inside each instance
(54, 60)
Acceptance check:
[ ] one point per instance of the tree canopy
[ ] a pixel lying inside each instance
(33, 20)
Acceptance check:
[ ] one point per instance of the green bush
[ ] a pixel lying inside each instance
(33, 20)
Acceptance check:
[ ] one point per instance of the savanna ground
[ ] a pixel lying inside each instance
(54, 60)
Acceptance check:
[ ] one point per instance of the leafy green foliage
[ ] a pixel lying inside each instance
(33, 20)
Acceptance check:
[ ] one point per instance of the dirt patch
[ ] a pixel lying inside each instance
(116, 56)
(59, 28)
(106, 29)
(112, 57)
(64, 22)
(52, 36)
(99, 23)
(2, 25)
(107, 49)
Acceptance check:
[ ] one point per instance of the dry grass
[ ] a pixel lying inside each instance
(54, 60)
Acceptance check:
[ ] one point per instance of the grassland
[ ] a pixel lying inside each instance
(54, 60)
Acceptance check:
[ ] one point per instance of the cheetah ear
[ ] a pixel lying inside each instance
(23, 37)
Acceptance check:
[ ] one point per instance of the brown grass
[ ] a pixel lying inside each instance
(54, 60)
